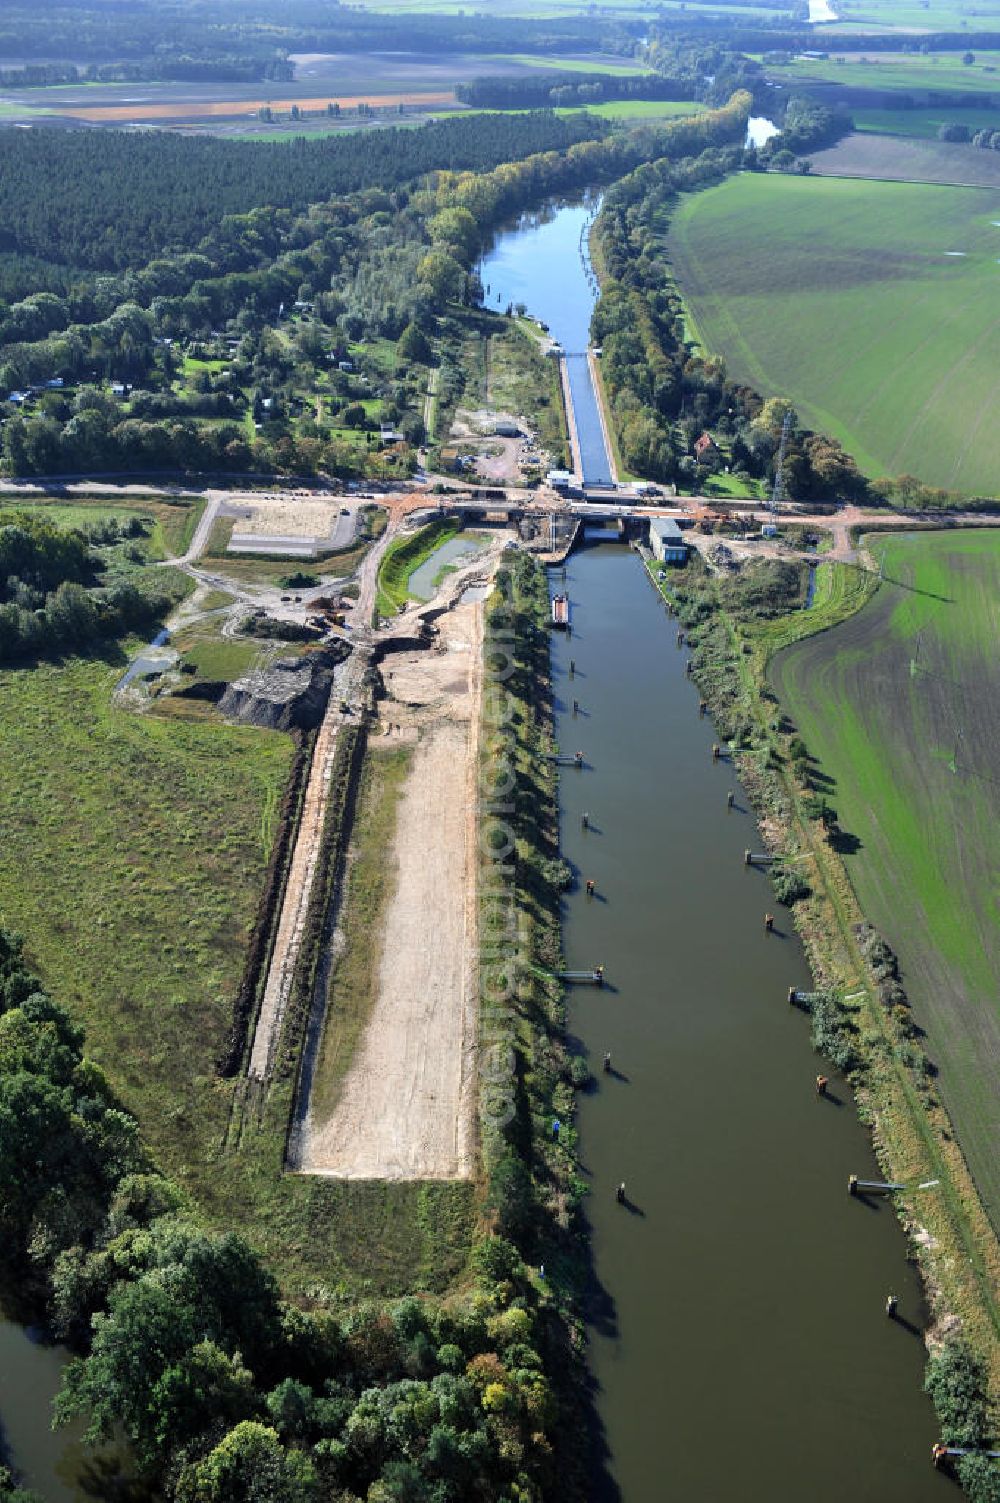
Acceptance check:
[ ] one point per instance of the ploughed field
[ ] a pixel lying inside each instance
(900, 709)
(873, 306)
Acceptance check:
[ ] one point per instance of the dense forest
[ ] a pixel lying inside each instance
(212, 32)
(225, 1393)
(107, 200)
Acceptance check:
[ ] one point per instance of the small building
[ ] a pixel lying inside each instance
(560, 480)
(704, 447)
(666, 541)
(19, 397)
(507, 428)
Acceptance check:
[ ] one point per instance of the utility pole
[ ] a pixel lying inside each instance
(770, 528)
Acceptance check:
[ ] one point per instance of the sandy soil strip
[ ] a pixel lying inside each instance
(407, 1105)
(196, 109)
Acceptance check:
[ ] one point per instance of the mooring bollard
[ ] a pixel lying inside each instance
(821, 1085)
(702, 706)
(730, 799)
(590, 887)
(746, 856)
(688, 668)
(716, 751)
(852, 1185)
(680, 639)
(792, 994)
(768, 922)
(891, 1305)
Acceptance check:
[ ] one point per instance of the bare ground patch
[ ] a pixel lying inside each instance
(405, 1108)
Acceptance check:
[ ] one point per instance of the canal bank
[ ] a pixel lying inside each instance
(739, 1343)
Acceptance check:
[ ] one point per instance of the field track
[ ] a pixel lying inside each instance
(900, 708)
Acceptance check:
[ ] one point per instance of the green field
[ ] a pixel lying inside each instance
(872, 306)
(915, 15)
(894, 70)
(923, 124)
(899, 708)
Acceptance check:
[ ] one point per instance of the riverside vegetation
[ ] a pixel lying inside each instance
(861, 1017)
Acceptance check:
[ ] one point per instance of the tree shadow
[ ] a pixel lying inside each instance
(844, 843)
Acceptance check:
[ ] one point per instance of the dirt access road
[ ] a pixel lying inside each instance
(406, 1107)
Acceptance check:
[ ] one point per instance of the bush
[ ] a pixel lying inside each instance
(957, 1386)
(831, 1032)
(789, 886)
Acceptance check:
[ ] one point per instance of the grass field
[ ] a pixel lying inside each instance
(899, 707)
(872, 306)
(915, 15)
(132, 859)
(912, 71)
(905, 159)
(923, 124)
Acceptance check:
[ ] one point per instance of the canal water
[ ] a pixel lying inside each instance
(544, 263)
(738, 1338)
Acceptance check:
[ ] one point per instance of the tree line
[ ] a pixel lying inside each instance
(541, 88)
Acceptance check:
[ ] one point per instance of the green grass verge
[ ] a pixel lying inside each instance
(844, 297)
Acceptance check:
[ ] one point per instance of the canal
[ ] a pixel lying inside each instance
(738, 1336)
(739, 1345)
(544, 263)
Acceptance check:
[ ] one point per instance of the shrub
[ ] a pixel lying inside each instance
(789, 886)
(957, 1386)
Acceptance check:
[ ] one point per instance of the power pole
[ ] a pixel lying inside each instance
(778, 493)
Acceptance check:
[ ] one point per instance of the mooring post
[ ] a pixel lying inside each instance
(590, 887)
(891, 1305)
(852, 1185)
(702, 706)
(730, 799)
(746, 856)
(768, 922)
(578, 759)
(680, 639)
(821, 1085)
(598, 975)
(689, 668)
(716, 751)
(576, 707)
(792, 994)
